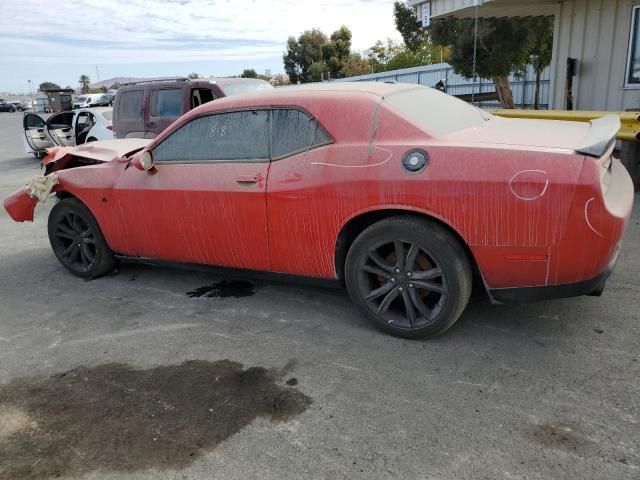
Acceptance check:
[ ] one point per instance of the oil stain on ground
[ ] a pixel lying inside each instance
(224, 289)
(114, 417)
(560, 436)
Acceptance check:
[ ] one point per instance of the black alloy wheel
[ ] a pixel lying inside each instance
(409, 276)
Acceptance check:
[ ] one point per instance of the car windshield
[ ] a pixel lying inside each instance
(81, 99)
(237, 88)
(107, 115)
(436, 112)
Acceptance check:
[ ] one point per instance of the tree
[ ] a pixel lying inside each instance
(249, 73)
(540, 49)
(407, 23)
(302, 53)
(115, 86)
(394, 55)
(193, 75)
(336, 52)
(84, 81)
(313, 56)
(502, 47)
(49, 86)
(356, 65)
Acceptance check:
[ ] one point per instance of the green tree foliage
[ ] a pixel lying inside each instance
(193, 75)
(356, 65)
(49, 86)
(302, 53)
(116, 86)
(336, 52)
(249, 73)
(540, 49)
(407, 23)
(395, 55)
(503, 46)
(84, 81)
(314, 56)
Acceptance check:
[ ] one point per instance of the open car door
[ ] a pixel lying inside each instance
(60, 129)
(35, 133)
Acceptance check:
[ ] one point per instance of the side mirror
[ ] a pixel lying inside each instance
(143, 161)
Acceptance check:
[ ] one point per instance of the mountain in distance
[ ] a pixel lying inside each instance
(110, 81)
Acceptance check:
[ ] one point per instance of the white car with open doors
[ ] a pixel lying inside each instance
(66, 129)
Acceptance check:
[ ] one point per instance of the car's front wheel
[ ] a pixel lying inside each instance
(409, 276)
(77, 241)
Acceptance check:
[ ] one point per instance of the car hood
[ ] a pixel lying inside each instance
(101, 151)
(526, 133)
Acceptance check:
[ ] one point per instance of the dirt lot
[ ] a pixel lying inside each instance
(161, 374)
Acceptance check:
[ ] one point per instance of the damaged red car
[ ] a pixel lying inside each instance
(403, 193)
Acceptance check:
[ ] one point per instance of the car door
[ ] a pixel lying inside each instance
(83, 123)
(60, 129)
(35, 132)
(204, 201)
(166, 105)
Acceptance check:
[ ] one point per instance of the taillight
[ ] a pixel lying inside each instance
(110, 127)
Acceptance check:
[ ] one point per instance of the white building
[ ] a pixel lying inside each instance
(603, 36)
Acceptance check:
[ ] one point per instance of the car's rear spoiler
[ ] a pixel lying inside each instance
(601, 135)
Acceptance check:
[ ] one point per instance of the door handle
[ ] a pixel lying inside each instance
(247, 179)
(151, 124)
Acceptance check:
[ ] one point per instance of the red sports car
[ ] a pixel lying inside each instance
(403, 193)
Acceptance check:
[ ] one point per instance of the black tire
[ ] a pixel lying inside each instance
(77, 241)
(432, 279)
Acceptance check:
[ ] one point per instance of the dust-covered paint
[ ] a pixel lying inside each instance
(513, 190)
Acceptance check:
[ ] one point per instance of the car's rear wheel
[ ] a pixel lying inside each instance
(409, 276)
(77, 241)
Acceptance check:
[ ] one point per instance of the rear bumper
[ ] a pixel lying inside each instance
(594, 287)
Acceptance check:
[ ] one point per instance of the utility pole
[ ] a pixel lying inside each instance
(97, 73)
(33, 105)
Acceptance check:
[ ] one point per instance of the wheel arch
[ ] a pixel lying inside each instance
(358, 223)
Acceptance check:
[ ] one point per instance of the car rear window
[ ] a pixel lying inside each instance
(237, 88)
(436, 112)
(294, 131)
(130, 105)
(107, 115)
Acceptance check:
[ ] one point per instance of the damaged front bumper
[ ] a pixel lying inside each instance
(22, 203)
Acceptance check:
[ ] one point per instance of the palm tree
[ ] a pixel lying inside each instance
(85, 81)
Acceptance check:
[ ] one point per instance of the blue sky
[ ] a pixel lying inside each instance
(168, 37)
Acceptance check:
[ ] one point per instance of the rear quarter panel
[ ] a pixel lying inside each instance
(509, 205)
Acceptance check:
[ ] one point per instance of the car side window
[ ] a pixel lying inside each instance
(294, 131)
(166, 102)
(200, 96)
(130, 105)
(233, 136)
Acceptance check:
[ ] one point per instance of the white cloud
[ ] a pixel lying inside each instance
(153, 31)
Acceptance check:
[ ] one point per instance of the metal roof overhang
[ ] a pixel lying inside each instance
(489, 8)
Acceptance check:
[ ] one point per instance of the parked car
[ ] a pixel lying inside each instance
(400, 191)
(144, 109)
(66, 129)
(20, 106)
(7, 107)
(91, 100)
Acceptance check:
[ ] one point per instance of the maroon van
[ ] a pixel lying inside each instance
(144, 109)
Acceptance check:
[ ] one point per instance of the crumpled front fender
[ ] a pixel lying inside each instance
(20, 206)
(22, 203)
